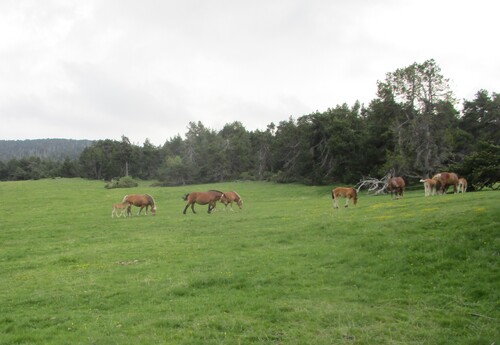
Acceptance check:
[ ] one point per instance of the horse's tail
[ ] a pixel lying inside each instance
(333, 194)
(355, 197)
(422, 180)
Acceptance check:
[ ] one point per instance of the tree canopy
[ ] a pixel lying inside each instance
(412, 128)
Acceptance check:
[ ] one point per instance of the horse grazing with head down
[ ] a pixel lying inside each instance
(445, 180)
(229, 198)
(429, 186)
(142, 201)
(396, 185)
(347, 192)
(202, 198)
(462, 185)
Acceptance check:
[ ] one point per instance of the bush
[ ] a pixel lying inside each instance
(124, 182)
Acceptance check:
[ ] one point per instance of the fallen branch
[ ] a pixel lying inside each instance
(373, 185)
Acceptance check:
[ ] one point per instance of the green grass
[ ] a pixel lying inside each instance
(287, 269)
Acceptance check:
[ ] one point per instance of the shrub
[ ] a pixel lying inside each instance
(124, 182)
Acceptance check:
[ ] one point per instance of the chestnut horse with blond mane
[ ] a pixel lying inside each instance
(429, 186)
(142, 201)
(462, 185)
(445, 180)
(229, 198)
(202, 198)
(347, 192)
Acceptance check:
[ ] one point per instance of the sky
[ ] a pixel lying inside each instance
(145, 69)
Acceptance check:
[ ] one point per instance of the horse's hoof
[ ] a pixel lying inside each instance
(346, 206)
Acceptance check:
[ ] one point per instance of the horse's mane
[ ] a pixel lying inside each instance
(151, 199)
(214, 190)
(124, 198)
(238, 195)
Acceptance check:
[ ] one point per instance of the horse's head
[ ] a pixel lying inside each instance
(185, 197)
(153, 210)
(240, 204)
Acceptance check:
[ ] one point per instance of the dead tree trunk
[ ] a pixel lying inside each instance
(373, 185)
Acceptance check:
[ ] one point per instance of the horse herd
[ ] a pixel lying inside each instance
(209, 198)
(438, 184)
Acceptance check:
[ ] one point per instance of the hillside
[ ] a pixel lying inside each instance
(54, 149)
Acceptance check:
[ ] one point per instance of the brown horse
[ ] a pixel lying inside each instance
(202, 198)
(142, 201)
(122, 207)
(445, 180)
(347, 192)
(229, 198)
(462, 185)
(396, 185)
(429, 186)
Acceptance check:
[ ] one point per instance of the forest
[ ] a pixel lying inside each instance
(412, 128)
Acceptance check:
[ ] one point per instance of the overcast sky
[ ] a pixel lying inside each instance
(100, 69)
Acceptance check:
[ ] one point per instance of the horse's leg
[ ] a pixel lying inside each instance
(185, 208)
(129, 211)
(112, 213)
(346, 201)
(335, 202)
(192, 207)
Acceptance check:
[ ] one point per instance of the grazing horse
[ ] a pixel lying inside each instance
(202, 198)
(123, 209)
(445, 180)
(462, 185)
(347, 192)
(396, 185)
(429, 186)
(229, 198)
(140, 200)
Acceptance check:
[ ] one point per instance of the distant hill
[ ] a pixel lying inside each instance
(54, 149)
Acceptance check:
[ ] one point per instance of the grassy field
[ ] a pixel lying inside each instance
(287, 269)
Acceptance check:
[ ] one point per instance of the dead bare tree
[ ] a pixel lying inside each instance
(373, 185)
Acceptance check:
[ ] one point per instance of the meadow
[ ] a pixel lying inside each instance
(287, 269)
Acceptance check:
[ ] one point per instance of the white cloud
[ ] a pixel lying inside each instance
(144, 69)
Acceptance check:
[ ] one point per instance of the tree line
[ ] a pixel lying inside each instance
(412, 127)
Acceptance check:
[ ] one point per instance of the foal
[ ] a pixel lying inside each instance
(123, 209)
(229, 198)
(348, 193)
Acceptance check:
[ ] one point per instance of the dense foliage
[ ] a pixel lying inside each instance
(411, 128)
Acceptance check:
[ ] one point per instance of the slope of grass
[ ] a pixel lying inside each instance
(287, 269)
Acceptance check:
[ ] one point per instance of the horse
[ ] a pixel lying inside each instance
(396, 185)
(123, 207)
(445, 180)
(462, 185)
(347, 192)
(429, 186)
(142, 201)
(202, 198)
(229, 198)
